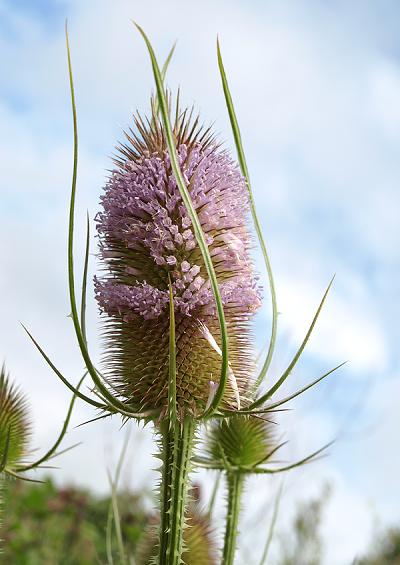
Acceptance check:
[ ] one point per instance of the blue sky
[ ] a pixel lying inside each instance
(317, 90)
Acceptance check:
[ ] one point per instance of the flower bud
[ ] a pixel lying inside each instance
(240, 442)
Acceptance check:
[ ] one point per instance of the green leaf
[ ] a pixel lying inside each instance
(300, 391)
(61, 376)
(112, 400)
(195, 222)
(155, 104)
(51, 452)
(312, 457)
(172, 415)
(245, 172)
(84, 280)
(296, 357)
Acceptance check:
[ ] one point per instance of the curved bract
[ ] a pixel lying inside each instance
(15, 430)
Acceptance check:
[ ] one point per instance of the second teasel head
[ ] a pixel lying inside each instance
(147, 238)
(240, 442)
(15, 425)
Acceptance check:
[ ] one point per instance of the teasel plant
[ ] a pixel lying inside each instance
(16, 433)
(178, 291)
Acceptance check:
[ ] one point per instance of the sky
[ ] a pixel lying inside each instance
(316, 87)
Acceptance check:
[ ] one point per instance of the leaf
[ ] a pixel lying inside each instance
(245, 172)
(155, 104)
(172, 415)
(84, 280)
(296, 357)
(310, 385)
(195, 222)
(112, 400)
(52, 451)
(308, 459)
(61, 376)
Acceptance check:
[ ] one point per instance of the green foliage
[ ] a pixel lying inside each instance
(385, 550)
(44, 525)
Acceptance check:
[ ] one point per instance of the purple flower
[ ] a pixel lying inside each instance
(146, 235)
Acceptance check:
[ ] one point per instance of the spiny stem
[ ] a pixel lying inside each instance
(177, 447)
(235, 489)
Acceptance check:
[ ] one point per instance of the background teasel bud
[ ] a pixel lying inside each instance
(15, 426)
(15, 431)
(241, 443)
(146, 236)
(199, 546)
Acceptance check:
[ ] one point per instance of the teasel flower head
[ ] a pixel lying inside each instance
(15, 425)
(147, 240)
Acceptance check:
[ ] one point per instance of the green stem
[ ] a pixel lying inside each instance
(177, 445)
(235, 489)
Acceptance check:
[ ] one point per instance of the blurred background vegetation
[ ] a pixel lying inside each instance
(47, 525)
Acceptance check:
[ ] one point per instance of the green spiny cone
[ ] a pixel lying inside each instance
(15, 426)
(240, 442)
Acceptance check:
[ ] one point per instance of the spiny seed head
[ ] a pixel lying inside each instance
(15, 426)
(240, 441)
(199, 547)
(147, 237)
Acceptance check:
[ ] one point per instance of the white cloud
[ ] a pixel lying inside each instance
(348, 328)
